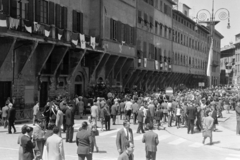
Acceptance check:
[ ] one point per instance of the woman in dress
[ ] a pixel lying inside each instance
(19, 142)
(93, 128)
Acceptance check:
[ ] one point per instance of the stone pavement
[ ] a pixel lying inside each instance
(175, 144)
(223, 137)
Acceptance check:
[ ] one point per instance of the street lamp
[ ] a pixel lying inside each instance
(223, 14)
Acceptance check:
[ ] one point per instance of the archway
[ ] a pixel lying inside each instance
(79, 85)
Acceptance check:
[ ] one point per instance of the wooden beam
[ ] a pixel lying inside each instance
(100, 67)
(43, 64)
(112, 66)
(95, 69)
(65, 52)
(30, 56)
(124, 62)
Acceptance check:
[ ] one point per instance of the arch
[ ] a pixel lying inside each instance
(78, 79)
(79, 84)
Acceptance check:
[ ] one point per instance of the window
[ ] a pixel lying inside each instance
(156, 27)
(139, 16)
(41, 11)
(18, 9)
(156, 4)
(144, 50)
(151, 22)
(151, 2)
(78, 24)
(161, 5)
(145, 19)
(160, 29)
(51, 13)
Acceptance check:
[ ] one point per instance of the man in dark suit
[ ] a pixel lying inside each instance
(191, 115)
(11, 118)
(135, 108)
(151, 109)
(114, 111)
(124, 136)
(140, 117)
(151, 141)
(69, 124)
(128, 154)
(84, 141)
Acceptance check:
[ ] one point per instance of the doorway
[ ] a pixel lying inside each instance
(79, 83)
(43, 94)
(5, 92)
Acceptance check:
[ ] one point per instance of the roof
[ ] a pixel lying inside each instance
(173, 3)
(201, 26)
(228, 47)
(187, 6)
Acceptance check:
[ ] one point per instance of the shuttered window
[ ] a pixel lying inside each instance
(64, 17)
(37, 10)
(58, 16)
(144, 50)
(51, 13)
(78, 22)
(15, 8)
(5, 4)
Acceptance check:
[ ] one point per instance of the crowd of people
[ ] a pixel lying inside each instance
(187, 108)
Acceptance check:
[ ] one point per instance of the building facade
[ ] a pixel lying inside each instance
(88, 47)
(227, 71)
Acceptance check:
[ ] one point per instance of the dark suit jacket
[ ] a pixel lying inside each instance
(114, 110)
(140, 116)
(69, 117)
(158, 115)
(27, 146)
(122, 141)
(151, 108)
(191, 112)
(151, 141)
(84, 141)
(12, 114)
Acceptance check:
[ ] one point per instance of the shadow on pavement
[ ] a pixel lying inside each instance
(101, 152)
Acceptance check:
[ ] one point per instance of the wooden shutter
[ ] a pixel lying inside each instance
(30, 11)
(111, 28)
(107, 28)
(74, 21)
(58, 16)
(119, 30)
(51, 13)
(139, 16)
(64, 17)
(134, 35)
(5, 4)
(144, 50)
(37, 10)
(81, 23)
(13, 11)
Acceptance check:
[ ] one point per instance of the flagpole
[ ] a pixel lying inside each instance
(211, 25)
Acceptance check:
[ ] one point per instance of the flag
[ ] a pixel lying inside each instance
(210, 59)
(47, 30)
(145, 62)
(93, 42)
(36, 26)
(156, 64)
(75, 38)
(60, 33)
(28, 26)
(13, 23)
(82, 41)
(3, 20)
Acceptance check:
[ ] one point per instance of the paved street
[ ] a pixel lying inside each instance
(175, 144)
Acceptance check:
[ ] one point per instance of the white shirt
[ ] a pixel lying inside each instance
(129, 135)
(128, 105)
(178, 113)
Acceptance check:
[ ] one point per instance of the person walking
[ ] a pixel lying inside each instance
(135, 108)
(159, 116)
(191, 115)
(208, 127)
(54, 146)
(27, 144)
(80, 106)
(94, 112)
(114, 111)
(11, 118)
(151, 109)
(69, 124)
(93, 128)
(121, 109)
(5, 111)
(237, 109)
(178, 115)
(151, 141)
(84, 142)
(107, 118)
(46, 114)
(59, 121)
(124, 136)
(128, 109)
(140, 117)
(35, 112)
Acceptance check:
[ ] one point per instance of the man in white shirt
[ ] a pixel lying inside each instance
(128, 109)
(35, 112)
(94, 112)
